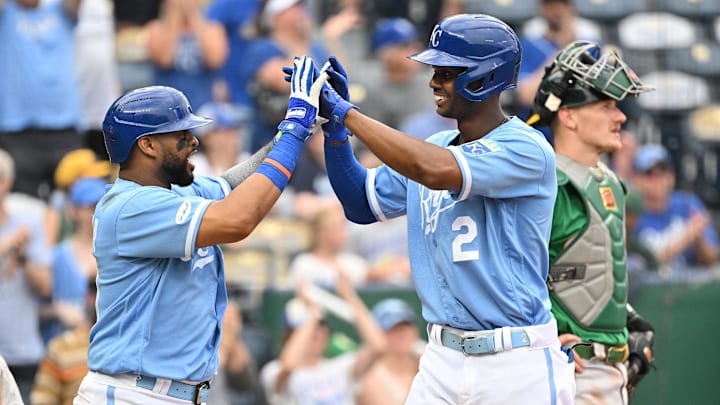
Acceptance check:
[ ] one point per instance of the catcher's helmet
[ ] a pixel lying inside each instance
(582, 74)
(392, 31)
(146, 111)
(487, 47)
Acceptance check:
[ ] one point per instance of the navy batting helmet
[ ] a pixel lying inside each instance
(582, 74)
(146, 111)
(393, 31)
(487, 47)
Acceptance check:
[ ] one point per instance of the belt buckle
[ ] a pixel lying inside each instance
(462, 344)
(198, 395)
(618, 349)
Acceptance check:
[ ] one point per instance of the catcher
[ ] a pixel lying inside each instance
(587, 280)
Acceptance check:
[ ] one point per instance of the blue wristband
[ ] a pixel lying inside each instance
(279, 164)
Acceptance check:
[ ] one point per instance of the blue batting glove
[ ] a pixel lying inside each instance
(337, 77)
(334, 101)
(306, 84)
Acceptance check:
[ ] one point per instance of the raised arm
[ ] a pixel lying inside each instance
(425, 163)
(233, 218)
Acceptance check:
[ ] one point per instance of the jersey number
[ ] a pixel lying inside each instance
(468, 229)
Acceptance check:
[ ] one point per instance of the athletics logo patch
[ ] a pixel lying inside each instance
(480, 147)
(608, 198)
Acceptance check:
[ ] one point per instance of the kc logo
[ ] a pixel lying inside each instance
(435, 37)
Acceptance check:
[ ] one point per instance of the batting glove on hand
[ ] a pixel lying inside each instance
(334, 103)
(305, 87)
(338, 79)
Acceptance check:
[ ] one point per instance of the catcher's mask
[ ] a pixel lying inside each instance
(582, 74)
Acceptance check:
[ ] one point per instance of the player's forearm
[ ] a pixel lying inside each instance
(237, 215)
(423, 162)
(240, 172)
(347, 178)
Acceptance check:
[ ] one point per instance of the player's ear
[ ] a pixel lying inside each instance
(148, 146)
(567, 118)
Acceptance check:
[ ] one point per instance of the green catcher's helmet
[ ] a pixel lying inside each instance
(582, 74)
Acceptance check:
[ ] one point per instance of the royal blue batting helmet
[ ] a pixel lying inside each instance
(393, 31)
(146, 111)
(487, 47)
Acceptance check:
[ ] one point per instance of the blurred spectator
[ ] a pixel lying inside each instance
(40, 103)
(9, 393)
(186, 49)
(237, 379)
(133, 63)
(398, 88)
(302, 374)
(639, 255)
(73, 262)
(621, 161)
(74, 165)
(327, 258)
(65, 363)
(98, 79)
(222, 142)
(236, 21)
(284, 28)
(24, 281)
(675, 224)
(538, 51)
(388, 381)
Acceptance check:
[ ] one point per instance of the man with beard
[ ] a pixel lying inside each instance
(478, 201)
(161, 286)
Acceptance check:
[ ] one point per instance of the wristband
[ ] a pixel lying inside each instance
(279, 164)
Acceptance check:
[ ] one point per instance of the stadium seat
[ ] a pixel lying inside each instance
(513, 12)
(608, 11)
(695, 9)
(702, 137)
(655, 31)
(675, 92)
(701, 58)
(704, 123)
(586, 29)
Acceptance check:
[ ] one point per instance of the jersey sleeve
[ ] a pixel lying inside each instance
(387, 193)
(159, 224)
(508, 167)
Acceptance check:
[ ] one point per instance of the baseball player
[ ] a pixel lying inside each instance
(161, 287)
(479, 204)
(578, 99)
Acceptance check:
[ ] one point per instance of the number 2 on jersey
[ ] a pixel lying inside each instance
(468, 232)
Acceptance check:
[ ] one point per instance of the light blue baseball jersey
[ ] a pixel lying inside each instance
(479, 255)
(160, 299)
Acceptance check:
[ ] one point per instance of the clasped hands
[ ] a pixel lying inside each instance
(317, 97)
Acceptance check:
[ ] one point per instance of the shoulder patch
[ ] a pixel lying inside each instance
(183, 213)
(480, 147)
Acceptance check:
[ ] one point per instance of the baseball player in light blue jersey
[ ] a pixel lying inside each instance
(479, 202)
(161, 287)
